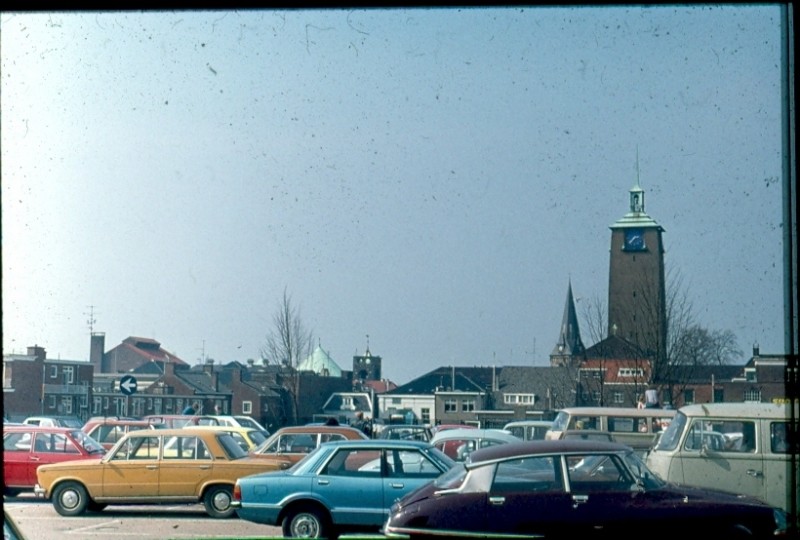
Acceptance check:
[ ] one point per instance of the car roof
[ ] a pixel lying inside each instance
(35, 427)
(537, 423)
(317, 429)
(462, 433)
(170, 432)
(524, 448)
(379, 444)
(738, 410)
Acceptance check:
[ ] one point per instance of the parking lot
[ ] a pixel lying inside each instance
(37, 520)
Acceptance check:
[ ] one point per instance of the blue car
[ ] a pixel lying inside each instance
(342, 486)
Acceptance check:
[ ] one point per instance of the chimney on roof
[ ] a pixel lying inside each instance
(755, 350)
(38, 352)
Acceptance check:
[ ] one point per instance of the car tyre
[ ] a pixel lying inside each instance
(217, 500)
(70, 499)
(307, 522)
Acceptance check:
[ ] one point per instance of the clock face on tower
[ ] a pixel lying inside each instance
(634, 240)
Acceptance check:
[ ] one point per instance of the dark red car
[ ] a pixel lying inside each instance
(572, 489)
(25, 447)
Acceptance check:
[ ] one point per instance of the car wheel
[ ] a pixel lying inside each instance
(70, 499)
(217, 501)
(307, 522)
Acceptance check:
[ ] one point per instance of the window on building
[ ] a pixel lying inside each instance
(247, 407)
(618, 398)
(68, 374)
(53, 372)
(66, 404)
(688, 396)
(97, 406)
(51, 402)
(596, 397)
(631, 372)
(105, 403)
(396, 401)
(119, 407)
(518, 399)
(425, 414)
(467, 405)
(750, 375)
(719, 395)
(450, 405)
(157, 404)
(752, 396)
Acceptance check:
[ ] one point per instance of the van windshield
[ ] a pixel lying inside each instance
(560, 422)
(671, 437)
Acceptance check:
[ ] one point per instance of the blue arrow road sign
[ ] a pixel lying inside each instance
(128, 385)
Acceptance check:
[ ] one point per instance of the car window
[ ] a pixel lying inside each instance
(138, 448)
(721, 435)
(530, 474)
(185, 447)
(88, 443)
(354, 462)
(240, 440)
(778, 436)
(230, 446)
(597, 472)
(62, 444)
(410, 464)
(17, 442)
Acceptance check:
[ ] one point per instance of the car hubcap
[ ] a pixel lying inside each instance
(305, 526)
(222, 501)
(69, 499)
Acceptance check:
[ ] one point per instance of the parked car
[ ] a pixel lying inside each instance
(730, 446)
(247, 438)
(571, 489)
(586, 435)
(176, 421)
(230, 420)
(152, 467)
(54, 421)
(444, 427)
(345, 486)
(408, 432)
(459, 443)
(107, 431)
(529, 430)
(290, 444)
(25, 447)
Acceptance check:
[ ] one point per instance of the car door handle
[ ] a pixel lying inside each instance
(323, 482)
(397, 485)
(497, 501)
(36, 458)
(151, 467)
(755, 473)
(204, 467)
(578, 500)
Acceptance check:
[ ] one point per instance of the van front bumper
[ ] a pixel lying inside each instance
(39, 491)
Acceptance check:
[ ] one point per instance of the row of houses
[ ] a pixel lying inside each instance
(282, 395)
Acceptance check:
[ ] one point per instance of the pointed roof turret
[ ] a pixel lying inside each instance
(569, 339)
(636, 216)
(320, 363)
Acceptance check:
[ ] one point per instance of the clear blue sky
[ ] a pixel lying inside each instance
(433, 178)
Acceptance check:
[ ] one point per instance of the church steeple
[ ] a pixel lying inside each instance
(569, 348)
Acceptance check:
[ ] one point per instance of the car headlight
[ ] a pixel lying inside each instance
(781, 519)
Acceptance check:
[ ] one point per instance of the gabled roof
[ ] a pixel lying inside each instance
(613, 347)
(149, 349)
(449, 378)
(360, 402)
(320, 363)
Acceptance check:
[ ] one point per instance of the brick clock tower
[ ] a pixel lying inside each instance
(367, 367)
(636, 284)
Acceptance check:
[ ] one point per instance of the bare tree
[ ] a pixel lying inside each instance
(288, 343)
(674, 343)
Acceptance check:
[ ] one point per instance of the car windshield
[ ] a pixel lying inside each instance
(89, 444)
(231, 447)
(244, 421)
(670, 438)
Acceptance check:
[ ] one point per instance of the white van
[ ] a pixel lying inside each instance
(635, 427)
(736, 447)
